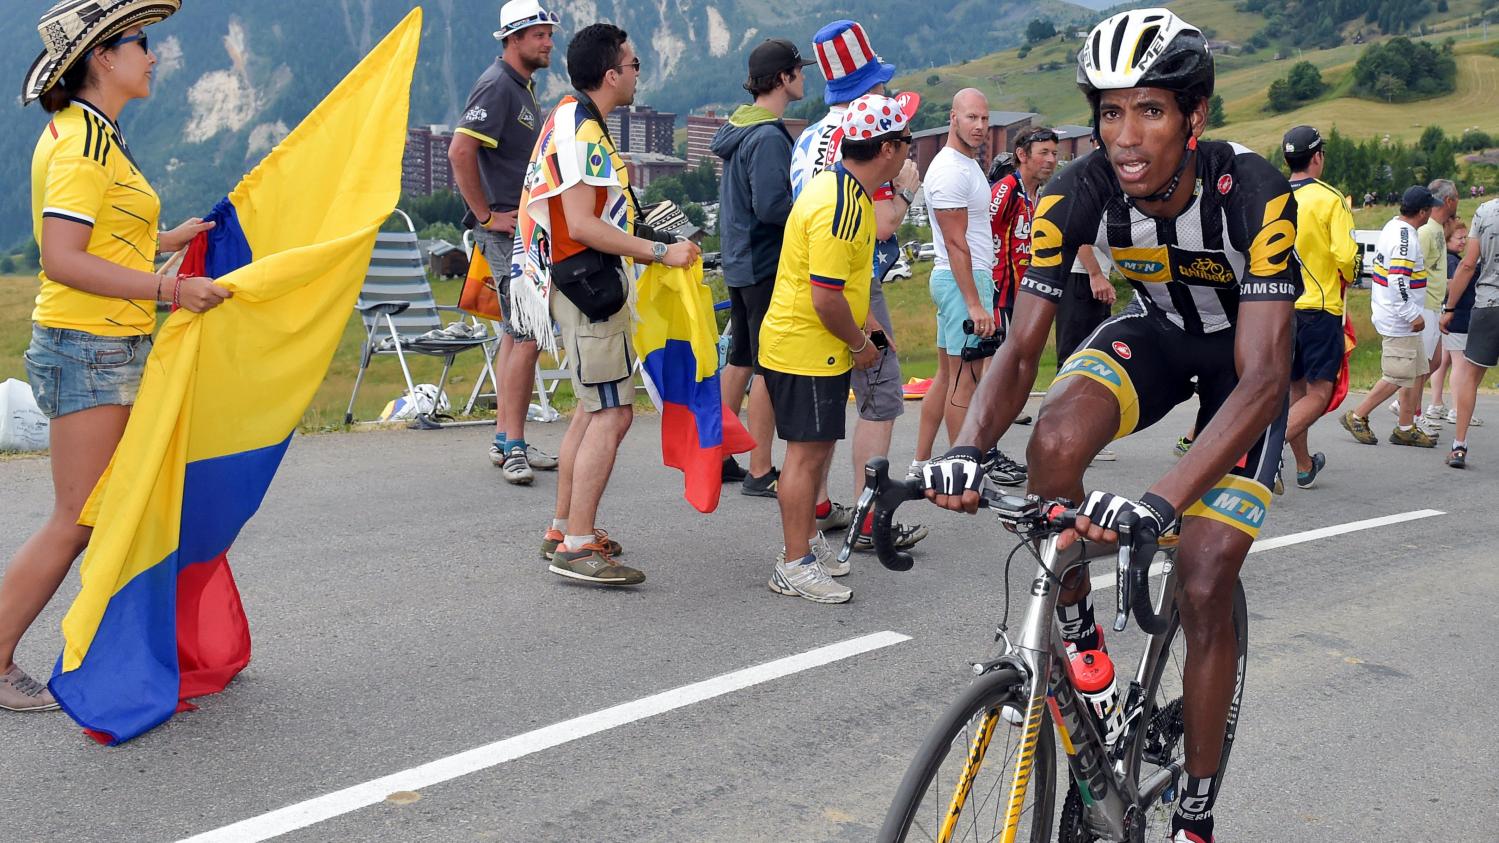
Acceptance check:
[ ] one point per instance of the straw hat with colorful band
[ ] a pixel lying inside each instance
(72, 28)
(873, 116)
(848, 62)
(522, 14)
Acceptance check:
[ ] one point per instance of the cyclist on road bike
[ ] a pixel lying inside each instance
(1203, 231)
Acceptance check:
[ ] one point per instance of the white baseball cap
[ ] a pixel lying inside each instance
(520, 14)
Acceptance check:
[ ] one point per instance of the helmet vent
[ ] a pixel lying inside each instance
(1143, 44)
(1118, 41)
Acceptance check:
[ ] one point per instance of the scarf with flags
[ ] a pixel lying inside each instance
(158, 619)
(573, 148)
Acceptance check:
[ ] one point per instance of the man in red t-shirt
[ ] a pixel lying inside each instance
(1011, 207)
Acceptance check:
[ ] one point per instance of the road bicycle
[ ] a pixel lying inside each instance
(987, 770)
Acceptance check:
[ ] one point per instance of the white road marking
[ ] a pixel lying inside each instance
(338, 803)
(1107, 580)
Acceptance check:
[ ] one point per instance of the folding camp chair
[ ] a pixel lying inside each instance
(546, 379)
(401, 316)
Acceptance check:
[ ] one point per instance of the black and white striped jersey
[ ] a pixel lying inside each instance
(1234, 242)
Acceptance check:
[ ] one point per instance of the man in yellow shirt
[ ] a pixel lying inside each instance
(811, 337)
(1324, 242)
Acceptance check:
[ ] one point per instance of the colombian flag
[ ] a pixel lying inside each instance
(677, 342)
(158, 619)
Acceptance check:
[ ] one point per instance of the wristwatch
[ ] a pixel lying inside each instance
(658, 252)
(908, 196)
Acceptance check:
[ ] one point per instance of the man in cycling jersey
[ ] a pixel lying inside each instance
(1204, 233)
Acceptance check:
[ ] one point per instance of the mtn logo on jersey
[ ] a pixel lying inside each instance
(1159, 264)
(1238, 506)
(1122, 349)
(1225, 184)
(1090, 362)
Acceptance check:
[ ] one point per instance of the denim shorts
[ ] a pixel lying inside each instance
(952, 310)
(72, 371)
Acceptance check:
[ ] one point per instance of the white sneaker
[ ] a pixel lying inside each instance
(917, 469)
(1432, 428)
(1436, 411)
(1106, 455)
(809, 580)
(1451, 416)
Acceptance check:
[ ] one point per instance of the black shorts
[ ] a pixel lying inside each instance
(1149, 365)
(807, 408)
(747, 308)
(1483, 337)
(1319, 346)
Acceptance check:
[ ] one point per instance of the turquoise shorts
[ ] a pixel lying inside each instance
(72, 371)
(952, 311)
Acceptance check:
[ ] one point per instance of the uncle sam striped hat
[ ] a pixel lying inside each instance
(849, 64)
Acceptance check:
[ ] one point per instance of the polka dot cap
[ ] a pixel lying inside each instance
(873, 116)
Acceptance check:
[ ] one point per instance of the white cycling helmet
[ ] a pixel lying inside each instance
(521, 14)
(1145, 48)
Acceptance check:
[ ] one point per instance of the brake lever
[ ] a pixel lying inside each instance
(1125, 529)
(861, 512)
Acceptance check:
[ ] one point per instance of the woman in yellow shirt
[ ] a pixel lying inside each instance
(95, 218)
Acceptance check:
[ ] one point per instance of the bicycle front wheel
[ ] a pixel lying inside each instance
(977, 776)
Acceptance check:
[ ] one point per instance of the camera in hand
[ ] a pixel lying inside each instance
(986, 347)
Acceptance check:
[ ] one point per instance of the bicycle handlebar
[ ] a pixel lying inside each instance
(1137, 544)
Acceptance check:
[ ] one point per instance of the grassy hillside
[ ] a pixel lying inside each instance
(1044, 82)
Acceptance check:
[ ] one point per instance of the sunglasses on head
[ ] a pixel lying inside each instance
(1037, 136)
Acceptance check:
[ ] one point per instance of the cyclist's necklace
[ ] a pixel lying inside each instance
(1171, 186)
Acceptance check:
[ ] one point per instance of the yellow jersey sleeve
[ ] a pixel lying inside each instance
(75, 189)
(833, 237)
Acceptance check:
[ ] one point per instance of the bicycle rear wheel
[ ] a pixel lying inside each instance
(978, 777)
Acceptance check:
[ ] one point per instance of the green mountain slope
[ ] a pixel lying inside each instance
(1045, 81)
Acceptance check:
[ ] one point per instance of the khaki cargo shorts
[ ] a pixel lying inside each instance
(1402, 361)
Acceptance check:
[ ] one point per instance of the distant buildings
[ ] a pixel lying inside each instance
(425, 168)
(640, 128)
(1004, 126)
(700, 131)
(1073, 141)
(646, 167)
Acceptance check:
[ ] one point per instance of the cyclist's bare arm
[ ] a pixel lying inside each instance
(1262, 355)
(1006, 385)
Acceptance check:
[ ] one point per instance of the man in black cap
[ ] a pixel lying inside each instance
(1329, 263)
(754, 200)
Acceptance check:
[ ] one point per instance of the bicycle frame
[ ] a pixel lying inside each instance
(1109, 788)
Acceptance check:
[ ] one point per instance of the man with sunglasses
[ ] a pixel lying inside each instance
(813, 333)
(490, 151)
(852, 70)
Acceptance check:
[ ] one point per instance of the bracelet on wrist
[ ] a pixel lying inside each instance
(484, 223)
(860, 349)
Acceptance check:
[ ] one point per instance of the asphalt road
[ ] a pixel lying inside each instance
(402, 616)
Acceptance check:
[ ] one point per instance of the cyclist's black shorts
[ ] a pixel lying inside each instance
(1148, 364)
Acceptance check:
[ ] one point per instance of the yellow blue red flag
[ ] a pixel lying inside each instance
(158, 619)
(676, 339)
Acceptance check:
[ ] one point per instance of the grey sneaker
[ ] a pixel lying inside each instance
(827, 558)
(902, 536)
(807, 579)
(917, 469)
(1004, 471)
(838, 519)
(539, 459)
(593, 564)
(1308, 479)
(517, 469)
(19, 692)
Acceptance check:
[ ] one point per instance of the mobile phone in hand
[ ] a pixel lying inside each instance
(879, 340)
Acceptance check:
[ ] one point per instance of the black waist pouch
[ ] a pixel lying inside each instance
(593, 281)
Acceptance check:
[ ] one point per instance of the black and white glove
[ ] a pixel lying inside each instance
(1104, 509)
(956, 471)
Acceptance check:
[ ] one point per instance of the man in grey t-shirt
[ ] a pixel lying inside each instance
(1482, 351)
(490, 152)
